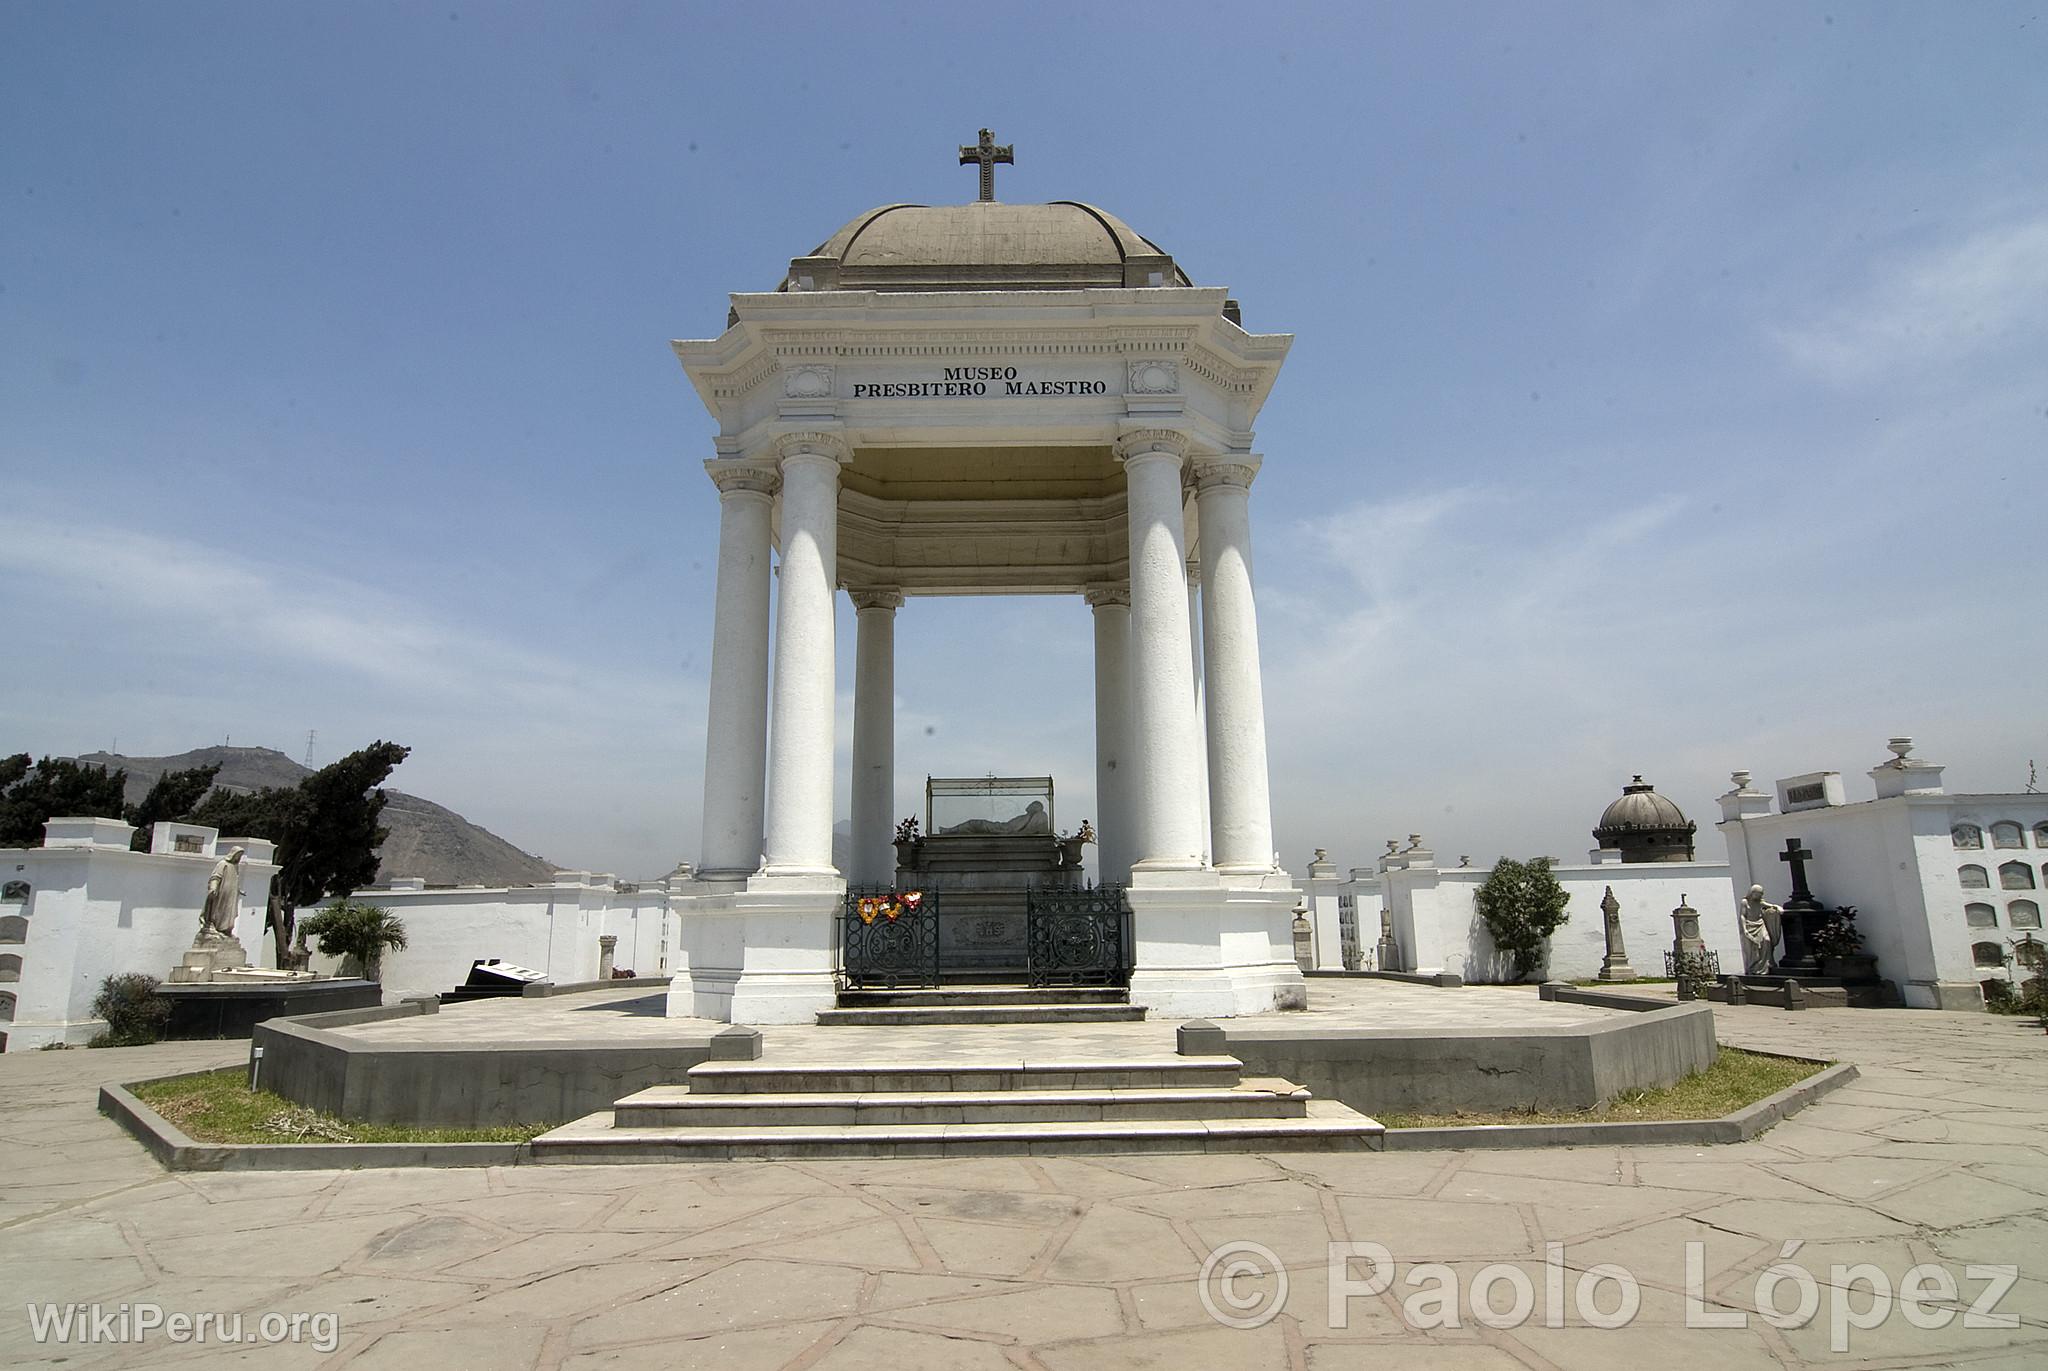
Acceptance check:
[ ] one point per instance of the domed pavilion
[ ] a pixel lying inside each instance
(986, 399)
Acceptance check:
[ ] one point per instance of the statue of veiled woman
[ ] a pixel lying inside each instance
(223, 898)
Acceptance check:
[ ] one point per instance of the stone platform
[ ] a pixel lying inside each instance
(1369, 1045)
(231, 1008)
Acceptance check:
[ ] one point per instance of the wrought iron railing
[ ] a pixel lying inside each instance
(889, 939)
(1078, 937)
(1709, 960)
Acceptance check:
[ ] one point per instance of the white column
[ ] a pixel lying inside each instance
(1166, 830)
(874, 736)
(1112, 606)
(1195, 655)
(736, 738)
(1240, 805)
(799, 828)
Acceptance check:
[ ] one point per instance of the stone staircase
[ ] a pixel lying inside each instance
(983, 1004)
(1167, 1104)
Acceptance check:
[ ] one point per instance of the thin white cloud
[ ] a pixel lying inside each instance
(1936, 307)
(176, 593)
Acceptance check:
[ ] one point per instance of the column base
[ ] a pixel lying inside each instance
(759, 952)
(1207, 948)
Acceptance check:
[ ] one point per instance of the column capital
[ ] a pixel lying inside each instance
(1238, 471)
(1098, 596)
(742, 478)
(1145, 441)
(876, 597)
(811, 443)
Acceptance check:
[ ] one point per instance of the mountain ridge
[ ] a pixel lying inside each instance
(427, 840)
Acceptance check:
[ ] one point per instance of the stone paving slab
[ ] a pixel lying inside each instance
(1936, 1154)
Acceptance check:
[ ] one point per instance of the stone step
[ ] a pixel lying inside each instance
(1327, 1127)
(864, 1078)
(984, 995)
(669, 1106)
(900, 1017)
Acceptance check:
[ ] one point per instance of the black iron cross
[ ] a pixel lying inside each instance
(1798, 856)
(987, 154)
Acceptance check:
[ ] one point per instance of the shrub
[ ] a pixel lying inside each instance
(358, 933)
(1522, 904)
(1838, 936)
(136, 1015)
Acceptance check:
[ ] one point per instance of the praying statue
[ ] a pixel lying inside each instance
(1759, 932)
(223, 899)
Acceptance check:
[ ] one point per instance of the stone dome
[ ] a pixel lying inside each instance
(1645, 827)
(987, 245)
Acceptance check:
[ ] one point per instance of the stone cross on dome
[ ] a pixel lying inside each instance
(987, 154)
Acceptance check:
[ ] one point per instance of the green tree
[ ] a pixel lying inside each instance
(174, 796)
(30, 796)
(1522, 904)
(325, 829)
(358, 933)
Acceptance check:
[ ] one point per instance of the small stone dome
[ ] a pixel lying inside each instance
(1065, 245)
(1645, 827)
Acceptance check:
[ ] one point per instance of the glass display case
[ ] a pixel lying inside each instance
(976, 806)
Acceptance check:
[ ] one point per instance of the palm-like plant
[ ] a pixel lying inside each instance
(359, 934)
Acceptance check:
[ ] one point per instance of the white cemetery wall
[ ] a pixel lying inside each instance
(640, 918)
(1898, 862)
(89, 909)
(551, 928)
(448, 930)
(1437, 924)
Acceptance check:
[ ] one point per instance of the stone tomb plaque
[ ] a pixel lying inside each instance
(1815, 790)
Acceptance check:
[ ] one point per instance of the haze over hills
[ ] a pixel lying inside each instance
(427, 840)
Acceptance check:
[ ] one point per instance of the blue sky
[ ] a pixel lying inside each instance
(1670, 390)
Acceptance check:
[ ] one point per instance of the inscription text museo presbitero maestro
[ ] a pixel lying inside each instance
(968, 382)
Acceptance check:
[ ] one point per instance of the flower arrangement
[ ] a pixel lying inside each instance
(907, 831)
(890, 907)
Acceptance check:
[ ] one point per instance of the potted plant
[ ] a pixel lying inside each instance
(1838, 945)
(1070, 845)
(908, 841)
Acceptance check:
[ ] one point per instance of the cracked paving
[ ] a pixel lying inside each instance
(1937, 1154)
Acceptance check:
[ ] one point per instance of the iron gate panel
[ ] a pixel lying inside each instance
(1078, 937)
(879, 949)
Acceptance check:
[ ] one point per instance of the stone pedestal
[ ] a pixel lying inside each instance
(982, 884)
(607, 955)
(208, 957)
(1206, 949)
(757, 951)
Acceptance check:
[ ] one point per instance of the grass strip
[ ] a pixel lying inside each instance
(219, 1107)
(1736, 1080)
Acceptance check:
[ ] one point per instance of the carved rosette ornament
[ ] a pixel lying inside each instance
(808, 383)
(1152, 378)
